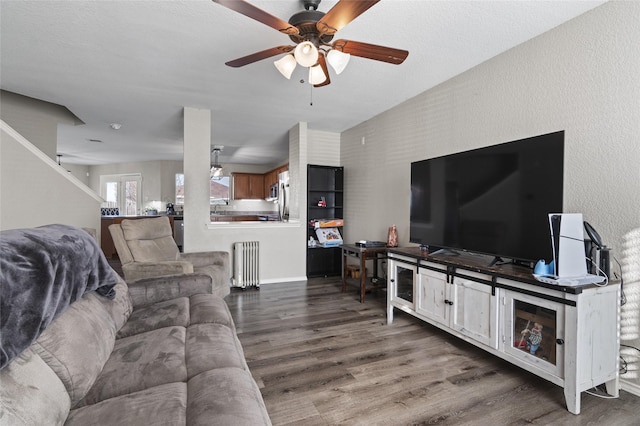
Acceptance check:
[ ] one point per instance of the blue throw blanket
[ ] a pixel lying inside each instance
(42, 271)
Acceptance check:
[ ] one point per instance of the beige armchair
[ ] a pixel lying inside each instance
(147, 249)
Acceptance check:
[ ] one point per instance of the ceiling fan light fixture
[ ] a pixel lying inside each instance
(338, 60)
(306, 54)
(316, 75)
(286, 65)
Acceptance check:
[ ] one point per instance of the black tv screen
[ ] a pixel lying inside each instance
(493, 200)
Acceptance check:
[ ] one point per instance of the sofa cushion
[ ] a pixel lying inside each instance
(77, 345)
(234, 399)
(211, 346)
(159, 405)
(182, 311)
(208, 308)
(31, 393)
(140, 362)
(157, 315)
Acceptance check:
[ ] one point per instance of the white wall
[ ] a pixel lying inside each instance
(80, 171)
(35, 190)
(324, 148)
(582, 77)
(158, 179)
(282, 245)
(36, 120)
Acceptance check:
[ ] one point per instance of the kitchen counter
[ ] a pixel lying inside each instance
(244, 216)
(262, 224)
(233, 218)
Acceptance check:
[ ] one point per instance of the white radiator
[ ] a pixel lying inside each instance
(246, 266)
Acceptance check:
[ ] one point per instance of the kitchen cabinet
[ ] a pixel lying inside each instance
(271, 177)
(248, 186)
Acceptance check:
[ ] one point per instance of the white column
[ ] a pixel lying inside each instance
(197, 144)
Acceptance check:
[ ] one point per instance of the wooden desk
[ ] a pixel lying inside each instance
(364, 254)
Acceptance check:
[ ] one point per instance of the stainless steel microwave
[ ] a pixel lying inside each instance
(273, 191)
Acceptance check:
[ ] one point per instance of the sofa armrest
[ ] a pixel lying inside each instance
(151, 290)
(137, 270)
(206, 258)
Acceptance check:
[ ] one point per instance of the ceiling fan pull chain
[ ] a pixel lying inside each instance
(311, 95)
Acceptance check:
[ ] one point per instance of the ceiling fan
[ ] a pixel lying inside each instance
(313, 31)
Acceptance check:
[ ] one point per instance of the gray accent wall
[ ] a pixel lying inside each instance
(582, 77)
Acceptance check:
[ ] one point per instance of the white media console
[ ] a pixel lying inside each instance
(567, 335)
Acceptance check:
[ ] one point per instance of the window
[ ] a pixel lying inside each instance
(179, 189)
(218, 190)
(122, 192)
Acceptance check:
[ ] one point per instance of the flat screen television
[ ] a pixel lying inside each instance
(493, 200)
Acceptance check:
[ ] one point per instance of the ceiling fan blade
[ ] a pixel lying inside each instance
(371, 51)
(247, 9)
(341, 14)
(323, 65)
(258, 56)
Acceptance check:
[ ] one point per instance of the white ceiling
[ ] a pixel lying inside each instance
(138, 63)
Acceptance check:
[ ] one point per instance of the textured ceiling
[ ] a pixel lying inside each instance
(138, 63)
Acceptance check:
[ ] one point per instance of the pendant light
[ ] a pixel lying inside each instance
(216, 167)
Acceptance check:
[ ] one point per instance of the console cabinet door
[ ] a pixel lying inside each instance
(402, 283)
(524, 315)
(474, 312)
(433, 301)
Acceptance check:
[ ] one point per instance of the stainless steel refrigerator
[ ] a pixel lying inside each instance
(283, 196)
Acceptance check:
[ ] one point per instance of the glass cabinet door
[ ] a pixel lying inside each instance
(403, 277)
(535, 332)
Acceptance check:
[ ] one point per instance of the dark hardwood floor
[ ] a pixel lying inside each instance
(322, 358)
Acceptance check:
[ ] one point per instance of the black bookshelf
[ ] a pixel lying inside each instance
(327, 182)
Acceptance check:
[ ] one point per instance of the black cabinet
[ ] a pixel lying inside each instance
(325, 198)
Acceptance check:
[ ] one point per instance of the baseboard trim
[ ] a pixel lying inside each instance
(283, 280)
(627, 386)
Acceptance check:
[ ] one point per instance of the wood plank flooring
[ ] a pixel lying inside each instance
(322, 358)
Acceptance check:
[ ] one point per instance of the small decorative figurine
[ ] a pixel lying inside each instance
(392, 237)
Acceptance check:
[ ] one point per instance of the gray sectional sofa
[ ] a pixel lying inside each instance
(161, 352)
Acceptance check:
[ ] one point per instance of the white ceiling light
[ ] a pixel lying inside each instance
(338, 60)
(316, 75)
(286, 65)
(306, 54)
